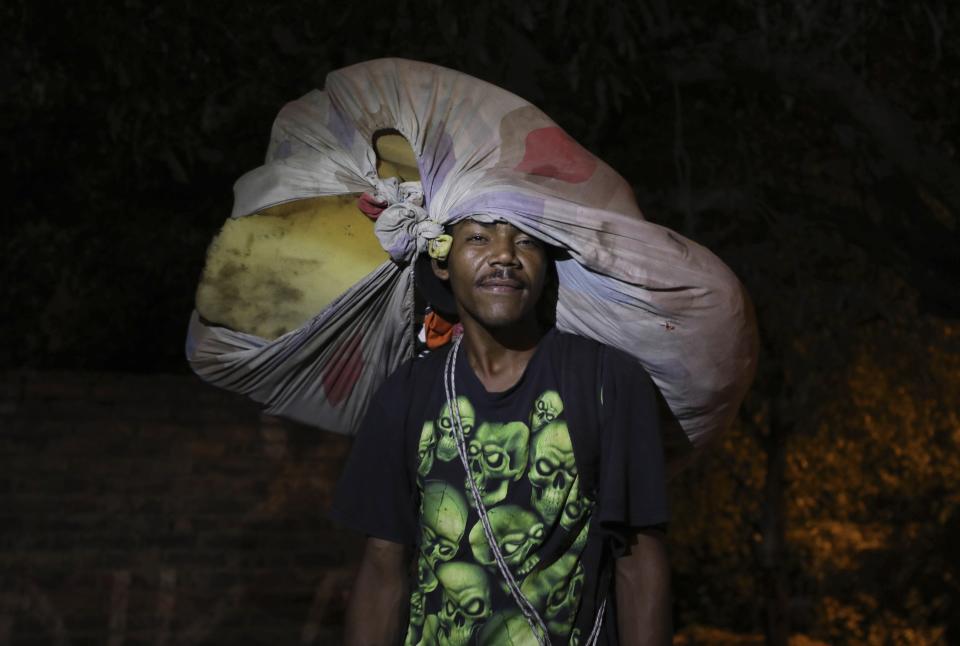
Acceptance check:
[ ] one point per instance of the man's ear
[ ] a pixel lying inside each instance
(440, 270)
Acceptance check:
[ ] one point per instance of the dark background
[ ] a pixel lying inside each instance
(812, 145)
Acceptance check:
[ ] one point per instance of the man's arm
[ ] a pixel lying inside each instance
(379, 602)
(643, 591)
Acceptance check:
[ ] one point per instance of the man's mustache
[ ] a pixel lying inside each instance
(502, 276)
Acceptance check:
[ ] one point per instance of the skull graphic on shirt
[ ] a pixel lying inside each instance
(465, 603)
(575, 508)
(426, 578)
(444, 521)
(555, 592)
(425, 449)
(552, 470)
(517, 532)
(508, 627)
(497, 455)
(546, 408)
(446, 441)
(417, 616)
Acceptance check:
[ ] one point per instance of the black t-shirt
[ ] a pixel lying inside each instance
(567, 461)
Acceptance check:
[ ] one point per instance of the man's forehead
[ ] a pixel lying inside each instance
(468, 222)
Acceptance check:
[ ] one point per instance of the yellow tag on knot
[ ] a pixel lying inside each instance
(439, 247)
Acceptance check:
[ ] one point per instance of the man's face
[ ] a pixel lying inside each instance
(496, 273)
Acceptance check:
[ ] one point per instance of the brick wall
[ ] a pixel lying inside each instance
(158, 510)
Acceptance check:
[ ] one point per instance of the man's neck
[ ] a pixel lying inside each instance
(499, 356)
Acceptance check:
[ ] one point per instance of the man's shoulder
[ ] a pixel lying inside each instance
(569, 342)
(416, 371)
(407, 391)
(586, 347)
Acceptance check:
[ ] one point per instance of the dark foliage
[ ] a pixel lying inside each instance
(127, 123)
(812, 145)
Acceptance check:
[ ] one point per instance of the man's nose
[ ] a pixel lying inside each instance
(503, 252)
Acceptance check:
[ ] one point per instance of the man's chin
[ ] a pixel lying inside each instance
(501, 315)
(504, 321)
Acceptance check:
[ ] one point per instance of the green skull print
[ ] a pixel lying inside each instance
(444, 521)
(508, 628)
(466, 602)
(575, 507)
(426, 578)
(546, 408)
(416, 619)
(555, 591)
(581, 540)
(552, 470)
(517, 532)
(446, 443)
(425, 449)
(497, 455)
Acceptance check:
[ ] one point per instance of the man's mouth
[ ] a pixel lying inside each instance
(501, 282)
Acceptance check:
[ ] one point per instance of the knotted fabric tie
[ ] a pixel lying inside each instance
(404, 227)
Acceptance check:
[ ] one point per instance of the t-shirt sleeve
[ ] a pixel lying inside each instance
(631, 482)
(376, 494)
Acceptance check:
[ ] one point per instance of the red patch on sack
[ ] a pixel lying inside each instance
(344, 370)
(551, 152)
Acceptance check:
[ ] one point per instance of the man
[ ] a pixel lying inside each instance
(511, 487)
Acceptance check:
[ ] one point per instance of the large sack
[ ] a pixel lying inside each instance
(483, 153)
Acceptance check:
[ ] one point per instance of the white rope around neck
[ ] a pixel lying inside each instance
(530, 613)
